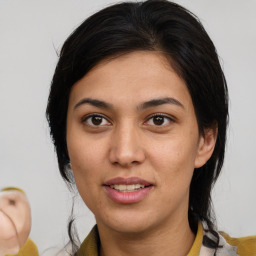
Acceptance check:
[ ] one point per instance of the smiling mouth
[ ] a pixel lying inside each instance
(128, 188)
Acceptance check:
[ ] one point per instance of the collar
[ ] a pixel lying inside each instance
(91, 244)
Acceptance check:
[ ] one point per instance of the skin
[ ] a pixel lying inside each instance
(130, 143)
(15, 221)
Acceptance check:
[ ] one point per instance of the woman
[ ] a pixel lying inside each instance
(138, 111)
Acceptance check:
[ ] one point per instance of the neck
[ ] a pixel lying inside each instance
(175, 239)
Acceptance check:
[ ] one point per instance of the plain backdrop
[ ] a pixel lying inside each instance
(30, 34)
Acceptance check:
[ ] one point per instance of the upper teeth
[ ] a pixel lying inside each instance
(127, 188)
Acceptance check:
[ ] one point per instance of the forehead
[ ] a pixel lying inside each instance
(135, 76)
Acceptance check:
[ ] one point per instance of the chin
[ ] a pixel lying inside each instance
(131, 228)
(130, 223)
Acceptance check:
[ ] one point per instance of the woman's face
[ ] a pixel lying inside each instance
(133, 142)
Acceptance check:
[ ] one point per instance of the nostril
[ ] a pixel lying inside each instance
(126, 163)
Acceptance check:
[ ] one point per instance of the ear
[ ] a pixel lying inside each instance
(206, 146)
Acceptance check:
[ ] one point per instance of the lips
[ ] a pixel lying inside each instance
(127, 190)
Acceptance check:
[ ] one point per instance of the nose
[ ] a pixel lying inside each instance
(126, 146)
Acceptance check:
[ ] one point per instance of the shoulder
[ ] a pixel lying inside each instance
(226, 245)
(246, 246)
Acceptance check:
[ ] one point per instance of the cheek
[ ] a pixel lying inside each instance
(175, 154)
(88, 158)
(86, 155)
(173, 161)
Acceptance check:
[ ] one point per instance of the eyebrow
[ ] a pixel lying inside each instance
(94, 102)
(158, 102)
(144, 105)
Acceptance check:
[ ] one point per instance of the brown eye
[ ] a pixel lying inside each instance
(12, 202)
(95, 120)
(158, 120)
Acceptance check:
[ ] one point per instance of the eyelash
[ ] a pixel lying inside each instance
(170, 119)
(87, 117)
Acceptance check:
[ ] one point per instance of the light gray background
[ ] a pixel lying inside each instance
(29, 33)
